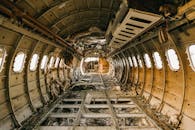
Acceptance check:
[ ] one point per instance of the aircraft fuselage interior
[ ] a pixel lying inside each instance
(97, 64)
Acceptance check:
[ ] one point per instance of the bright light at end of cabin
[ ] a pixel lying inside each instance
(90, 59)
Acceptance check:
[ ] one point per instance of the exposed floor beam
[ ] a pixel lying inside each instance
(96, 109)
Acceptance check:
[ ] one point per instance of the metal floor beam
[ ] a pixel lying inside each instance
(93, 128)
(97, 110)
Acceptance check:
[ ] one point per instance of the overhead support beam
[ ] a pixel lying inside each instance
(13, 11)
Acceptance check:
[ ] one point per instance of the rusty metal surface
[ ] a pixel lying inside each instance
(45, 26)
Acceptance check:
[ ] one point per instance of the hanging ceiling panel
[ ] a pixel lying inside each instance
(134, 24)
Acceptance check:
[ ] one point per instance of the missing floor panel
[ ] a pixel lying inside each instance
(97, 109)
(93, 112)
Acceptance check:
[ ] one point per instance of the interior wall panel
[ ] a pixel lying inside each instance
(15, 96)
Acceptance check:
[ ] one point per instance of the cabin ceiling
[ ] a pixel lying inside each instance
(73, 19)
(67, 17)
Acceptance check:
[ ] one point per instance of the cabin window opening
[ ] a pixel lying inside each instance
(2, 57)
(57, 62)
(61, 63)
(34, 62)
(94, 65)
(134, 61)
(173, 60)
(130, 61)
(51, 62)
(19, 62)
(139, 61)
(147, 61)
(191, 51)
(44, 62)
(157, 60)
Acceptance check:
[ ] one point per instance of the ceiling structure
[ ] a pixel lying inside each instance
(82, 24)
(67, 18)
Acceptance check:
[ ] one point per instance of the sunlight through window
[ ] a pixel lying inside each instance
(157, 60)
(51, 62)
(44, 62)
(173, 60)
(139, 61)
(34, 62)
(19, 62)
(130, 61)
(90, 59)
(57, 62)
(134, 61)
(147, 61)
(61, 63)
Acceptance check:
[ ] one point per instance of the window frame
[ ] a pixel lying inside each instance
(23, 63)
(170, 62)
